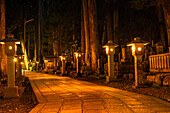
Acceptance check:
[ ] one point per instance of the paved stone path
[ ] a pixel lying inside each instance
(57, 94)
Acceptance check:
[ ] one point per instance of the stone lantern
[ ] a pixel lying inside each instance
(110, 51)
(37, 65)
(10, 50)
(20, 57)
(63, 68)
(78, 60)
(137, 51)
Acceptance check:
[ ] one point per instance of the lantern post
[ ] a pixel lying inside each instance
(20, 57)
(63, 68)
(10, 49)
(110, 51)
(78, 59)
(137, 46)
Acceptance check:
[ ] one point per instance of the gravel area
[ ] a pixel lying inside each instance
(158, 91)
(22, 104)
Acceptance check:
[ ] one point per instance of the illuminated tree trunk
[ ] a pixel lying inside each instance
(3, 57)
(35, 44)
(86, 29)
(29, 46)
(82, 36)
(94, 38)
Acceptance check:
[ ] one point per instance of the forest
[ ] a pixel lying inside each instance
(53, 27)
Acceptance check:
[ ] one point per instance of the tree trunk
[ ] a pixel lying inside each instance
(115, 21)
(86, 29)
(82, 36)
(109, 20)
(162, 27)
(35, 44)
(40, 28)
(94, 38)
(54, 46)
(166, 11)
(3, 57)
(29, 46)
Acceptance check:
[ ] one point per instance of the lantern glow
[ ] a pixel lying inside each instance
(139, 48)
(133, 49)
(15, 59)
(10, 47)
(107, 50)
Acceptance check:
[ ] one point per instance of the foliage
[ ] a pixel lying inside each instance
(143, 4)
(156, 85)
(59, 20)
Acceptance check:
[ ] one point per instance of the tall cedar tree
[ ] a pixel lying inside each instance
(87, 34)
(94, 38)
(3, 58)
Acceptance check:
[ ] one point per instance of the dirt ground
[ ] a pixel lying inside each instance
(22, 104)
(155, 90)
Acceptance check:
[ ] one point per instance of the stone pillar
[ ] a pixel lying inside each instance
(111, 75)
(139, 74)
(63, 67)
(20, 70)
(77, 65)
(123, 55)
(12, 90)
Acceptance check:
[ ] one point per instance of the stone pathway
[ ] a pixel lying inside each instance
(57, 94)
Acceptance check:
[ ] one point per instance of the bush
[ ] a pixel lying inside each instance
(148, 83)
(156, 85)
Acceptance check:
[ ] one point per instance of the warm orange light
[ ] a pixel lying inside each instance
(139, 48)
(10, 47)
(133, 49)
(15, 59)
(2, 42)
(107, 50)
(76, 55)
(111, 49)
(19, 57)
(79, 55)
(22, 63)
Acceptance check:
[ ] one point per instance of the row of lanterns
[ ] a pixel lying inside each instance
(10, 48)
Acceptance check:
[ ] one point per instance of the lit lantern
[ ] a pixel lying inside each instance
(110, 47)
(110, 51)
(10, 45)
(37, 62)
(138, 46)
(63, 68)
(78, 56)
(137, 51)
(10, 50)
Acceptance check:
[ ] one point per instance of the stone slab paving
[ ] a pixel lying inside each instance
(57, 94)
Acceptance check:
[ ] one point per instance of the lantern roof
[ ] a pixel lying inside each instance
(78, 51)
(19, 53)
(110, 44)
(138, 40)
(9, 39)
